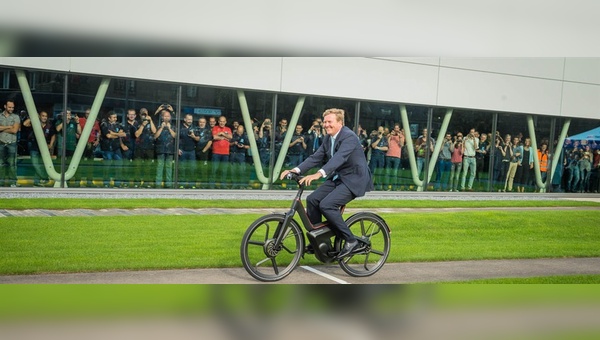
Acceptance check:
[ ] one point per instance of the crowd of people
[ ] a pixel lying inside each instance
(464, 159)
(141, 152)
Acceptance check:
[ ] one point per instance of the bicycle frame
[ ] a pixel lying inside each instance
(297, 207)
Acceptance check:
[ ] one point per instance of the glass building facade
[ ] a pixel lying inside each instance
(278, 130)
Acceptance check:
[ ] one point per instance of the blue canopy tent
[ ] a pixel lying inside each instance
(591, 135)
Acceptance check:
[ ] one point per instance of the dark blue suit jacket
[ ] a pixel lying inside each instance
(348, 162)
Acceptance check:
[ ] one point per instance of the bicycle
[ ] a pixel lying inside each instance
(273, 245)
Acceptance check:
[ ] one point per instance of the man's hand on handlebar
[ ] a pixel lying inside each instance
(285, 173)
(308, 179)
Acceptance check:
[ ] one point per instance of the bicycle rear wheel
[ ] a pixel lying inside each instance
(374, 231)
(264, 260)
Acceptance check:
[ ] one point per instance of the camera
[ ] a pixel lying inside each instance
(190, 132)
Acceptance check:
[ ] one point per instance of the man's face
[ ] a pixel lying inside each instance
(188, 120)
(87, 113)
(222, 121)
(283, 123)
(112, 118)
(240, 130)
(130, 115)
(166, 116)
(212, 121)
(43, 117)
(202, 122)
(9, 107)
(448, 136)
(299, 129)
(331, 124)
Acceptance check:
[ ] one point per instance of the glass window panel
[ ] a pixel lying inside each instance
(378, 121)
(579, 163)
(477, 156)
(30, 169)
(121, 150)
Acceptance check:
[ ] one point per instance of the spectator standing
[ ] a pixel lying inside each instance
(239, 145)
(363, 138)
(393, 157)
(421, 150)
(73, 131)
(445, 163)
(379, 146)
(470, 144)
(220, 151)
(93, 139)
(187, 153)
(203, 135)
(131, 126)
(314, 138)
(457, 161)
(297, 148)
(112, 144)
(280, 132)
(573, 166)
(144, 150)
(40, 176)
(585, 171)
(92, 144)
(525, 167)
(543, 159)
(165, 148)
(10, 123)
(515, 151)
(265, 133)
(482, 156)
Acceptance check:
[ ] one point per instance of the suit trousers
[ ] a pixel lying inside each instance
(326, 201)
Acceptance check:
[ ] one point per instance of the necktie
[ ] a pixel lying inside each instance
(332, 152)
(332, 146)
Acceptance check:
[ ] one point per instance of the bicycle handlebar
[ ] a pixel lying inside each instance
(294, 176)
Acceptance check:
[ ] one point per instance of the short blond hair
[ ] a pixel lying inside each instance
(339, 114)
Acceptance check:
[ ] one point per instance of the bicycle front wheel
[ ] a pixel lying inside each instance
(374, 231)
(262, 257)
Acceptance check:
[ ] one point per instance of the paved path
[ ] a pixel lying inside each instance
(391, 273)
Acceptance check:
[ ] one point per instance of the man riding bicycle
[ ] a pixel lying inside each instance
(347, 173)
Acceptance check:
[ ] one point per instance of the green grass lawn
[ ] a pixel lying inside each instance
(86, 244)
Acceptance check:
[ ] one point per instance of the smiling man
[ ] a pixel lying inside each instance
(347, 173)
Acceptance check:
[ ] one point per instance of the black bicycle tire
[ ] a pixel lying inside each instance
(244, 250)
(350, 221)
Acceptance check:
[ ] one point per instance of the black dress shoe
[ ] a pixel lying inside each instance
(349, 247)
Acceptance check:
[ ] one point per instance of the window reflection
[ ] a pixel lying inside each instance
(136, 142)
